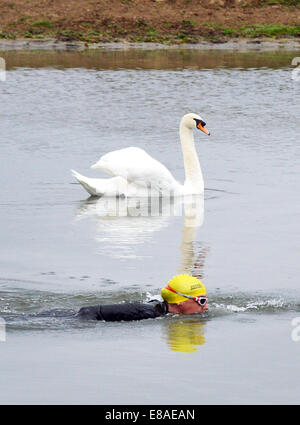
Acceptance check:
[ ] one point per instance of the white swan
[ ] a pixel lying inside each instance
(135, 172)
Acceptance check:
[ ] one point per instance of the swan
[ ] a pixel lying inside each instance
(135, 172)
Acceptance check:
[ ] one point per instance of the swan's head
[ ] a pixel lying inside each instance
(192, 121)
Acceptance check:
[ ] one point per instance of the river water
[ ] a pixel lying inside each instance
(61, 250)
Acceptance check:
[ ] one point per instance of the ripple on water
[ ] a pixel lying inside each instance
(38, 310)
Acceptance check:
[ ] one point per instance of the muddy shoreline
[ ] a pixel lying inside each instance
(238, 45)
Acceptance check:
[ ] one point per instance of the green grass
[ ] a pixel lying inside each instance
(283, 2)
(270, 31)
(251, 31)
(24, 18)
(263, 3)
(8, 35)
(229, 31)
(186, 32)
(28, 34)
(188, 24)
(43, 23)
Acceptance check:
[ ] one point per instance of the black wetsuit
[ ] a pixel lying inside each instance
(118, 312)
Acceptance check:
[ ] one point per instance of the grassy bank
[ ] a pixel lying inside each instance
(162, 21)
(185, 34)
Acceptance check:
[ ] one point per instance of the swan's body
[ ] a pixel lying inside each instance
(135, 173)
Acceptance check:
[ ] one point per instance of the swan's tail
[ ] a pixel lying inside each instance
(116, 186)
(87, 183)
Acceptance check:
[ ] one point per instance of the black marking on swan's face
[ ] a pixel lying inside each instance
(201, 126)
(199, 122)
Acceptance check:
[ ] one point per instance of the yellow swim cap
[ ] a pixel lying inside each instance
(185, 284)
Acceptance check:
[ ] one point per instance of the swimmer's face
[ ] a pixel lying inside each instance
(191, 307)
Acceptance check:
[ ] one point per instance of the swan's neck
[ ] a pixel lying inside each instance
(193, 174)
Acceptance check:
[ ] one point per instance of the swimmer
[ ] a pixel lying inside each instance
(184, 294)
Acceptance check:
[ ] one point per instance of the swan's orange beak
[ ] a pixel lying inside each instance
(200, 126)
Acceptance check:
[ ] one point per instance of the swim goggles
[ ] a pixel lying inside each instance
(201, 299)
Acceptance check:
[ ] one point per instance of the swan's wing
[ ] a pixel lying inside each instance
(136, 166)
(114, 186)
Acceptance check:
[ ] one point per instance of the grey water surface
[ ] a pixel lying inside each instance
(61, 250)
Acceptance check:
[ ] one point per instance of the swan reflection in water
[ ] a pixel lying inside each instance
(123, 224)
(184, 335)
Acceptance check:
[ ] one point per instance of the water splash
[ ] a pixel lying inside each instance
(262, 304)
(47, 310)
